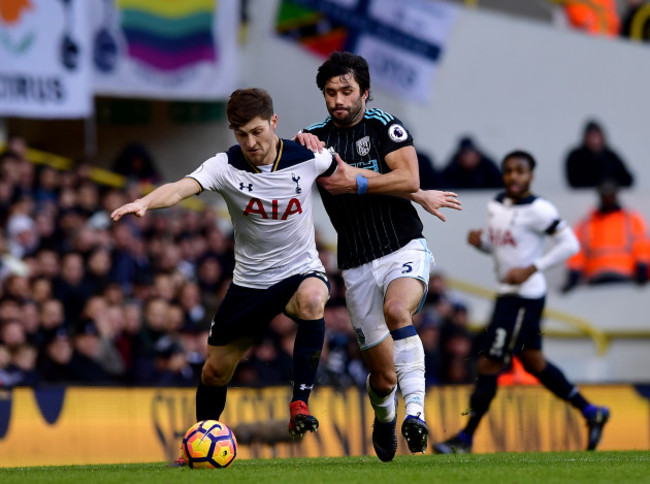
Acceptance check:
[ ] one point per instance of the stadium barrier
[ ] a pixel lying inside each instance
(66, 426)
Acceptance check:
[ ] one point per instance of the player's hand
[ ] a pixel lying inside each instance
(137, 207)
(433, 200)
(474, 238)
(310, 141)
(343, 180)
(519, 275)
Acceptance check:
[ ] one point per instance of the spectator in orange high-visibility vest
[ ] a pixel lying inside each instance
(596, 17)
(614, 244)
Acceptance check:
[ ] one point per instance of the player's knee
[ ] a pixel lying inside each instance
(533, 361)
(311, 304)
(212, 376)
(487, 366)
(534, 366)
(383, 382)
(396, 312)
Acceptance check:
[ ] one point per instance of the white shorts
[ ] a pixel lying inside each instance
(367, 284)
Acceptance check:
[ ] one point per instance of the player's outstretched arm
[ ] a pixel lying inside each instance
(344, 180)
(162, 197)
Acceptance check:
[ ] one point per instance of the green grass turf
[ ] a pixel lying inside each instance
(555, 467)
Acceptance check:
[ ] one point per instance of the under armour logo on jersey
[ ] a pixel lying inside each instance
(295, 180)
(304, 387)
(248, 187)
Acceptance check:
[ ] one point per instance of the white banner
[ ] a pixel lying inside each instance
(165, 49)
(405, 59)
(44, 59)
(402, 40)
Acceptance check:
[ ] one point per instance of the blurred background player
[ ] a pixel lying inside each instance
(267, 185)
(518, 225)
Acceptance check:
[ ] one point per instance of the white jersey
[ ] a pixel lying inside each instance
(515, 237)
(271, 210)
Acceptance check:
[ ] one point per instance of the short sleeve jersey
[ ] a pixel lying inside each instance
(368, 226)
(516, 232)
(271, 209)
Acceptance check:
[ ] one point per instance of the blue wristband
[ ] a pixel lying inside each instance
(362, 184)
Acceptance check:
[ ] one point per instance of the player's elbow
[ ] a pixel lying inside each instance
(568, 241)
(412, 184)
(573, 245)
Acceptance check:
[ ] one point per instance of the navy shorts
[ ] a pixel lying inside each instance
(247, 312)
(515, 326)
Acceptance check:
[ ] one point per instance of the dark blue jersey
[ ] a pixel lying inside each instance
(368, 226)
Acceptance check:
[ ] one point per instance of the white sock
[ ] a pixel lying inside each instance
(384, 406)
(408, 356)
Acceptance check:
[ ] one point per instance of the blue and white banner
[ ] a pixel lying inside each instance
(45, 70)
(402, 40)
(165, 49)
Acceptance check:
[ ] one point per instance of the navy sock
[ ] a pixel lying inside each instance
(306, 356)
(210, 402)
(479, 402)
(553, 379)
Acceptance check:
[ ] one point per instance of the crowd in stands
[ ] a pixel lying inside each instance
(468, 167)
(85, 301)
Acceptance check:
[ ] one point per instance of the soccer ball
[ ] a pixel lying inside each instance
(209, 444)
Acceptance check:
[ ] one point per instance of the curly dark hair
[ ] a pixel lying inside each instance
(520, 154)
(341, 63)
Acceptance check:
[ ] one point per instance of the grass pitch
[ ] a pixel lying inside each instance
(553, 467)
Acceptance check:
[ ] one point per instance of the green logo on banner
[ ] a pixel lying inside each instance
(18, 47)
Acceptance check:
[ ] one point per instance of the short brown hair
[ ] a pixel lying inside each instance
(246, 104)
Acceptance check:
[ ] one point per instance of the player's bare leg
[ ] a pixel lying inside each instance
(382, 387)
(218, 369)
(307, 308)
(401, 302)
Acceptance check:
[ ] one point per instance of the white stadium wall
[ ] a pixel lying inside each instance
(510, 83)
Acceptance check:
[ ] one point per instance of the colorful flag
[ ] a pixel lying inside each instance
(174, 49)
(402, 40)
